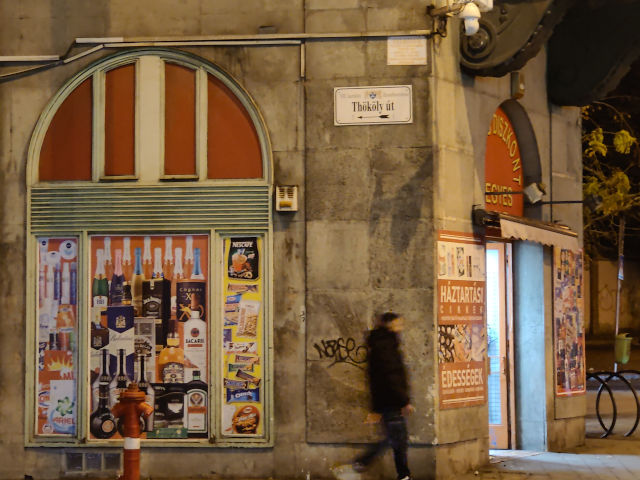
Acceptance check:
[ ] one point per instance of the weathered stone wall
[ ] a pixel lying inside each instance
(372, 198)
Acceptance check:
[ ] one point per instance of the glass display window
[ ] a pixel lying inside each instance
(149, 324)
(57, 334)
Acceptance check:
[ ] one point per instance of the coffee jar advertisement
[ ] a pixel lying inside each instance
(242, 339)
(244, 259)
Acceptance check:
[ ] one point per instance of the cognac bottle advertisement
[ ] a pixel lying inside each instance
(148, 314)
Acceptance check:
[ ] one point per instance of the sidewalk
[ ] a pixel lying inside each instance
(615, 458)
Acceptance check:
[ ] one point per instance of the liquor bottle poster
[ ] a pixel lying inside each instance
(57, 335)
(462, 339)
(242, 337)
(148, 298)
(568, 322)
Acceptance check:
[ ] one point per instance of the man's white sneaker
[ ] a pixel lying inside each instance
(345, 472)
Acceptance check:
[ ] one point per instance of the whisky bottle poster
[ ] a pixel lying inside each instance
(133, 287)
(242, 398)
(57, 293)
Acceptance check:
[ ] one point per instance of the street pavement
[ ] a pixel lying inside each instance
(615, 458)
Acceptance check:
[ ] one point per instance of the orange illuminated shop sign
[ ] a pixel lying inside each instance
(503, 167)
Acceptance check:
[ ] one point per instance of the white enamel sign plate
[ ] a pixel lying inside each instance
(372, 105)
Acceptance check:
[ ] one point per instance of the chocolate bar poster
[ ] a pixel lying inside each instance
(243, 260)
(57, 294)
(462, 342)
(242, 396)
(568, 322)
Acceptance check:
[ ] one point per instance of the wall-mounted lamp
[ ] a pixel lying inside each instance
(534, 192)
(467, 10)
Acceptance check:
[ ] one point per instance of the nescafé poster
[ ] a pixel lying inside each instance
(242, 399)
(462, 343)
(568, 322)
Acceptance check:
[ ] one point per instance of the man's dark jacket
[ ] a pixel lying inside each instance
(387, 375)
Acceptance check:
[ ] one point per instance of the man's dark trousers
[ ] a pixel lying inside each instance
(395, 427)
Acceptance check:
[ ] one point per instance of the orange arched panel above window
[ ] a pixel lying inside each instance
(180, 120)
(233, 146)
(66, 149)
(119, 121)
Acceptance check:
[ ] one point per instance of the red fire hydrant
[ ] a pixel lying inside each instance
(129, 409)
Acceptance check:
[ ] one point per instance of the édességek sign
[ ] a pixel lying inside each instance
(373, 105)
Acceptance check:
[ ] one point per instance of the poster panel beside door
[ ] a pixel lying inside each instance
(462, 343)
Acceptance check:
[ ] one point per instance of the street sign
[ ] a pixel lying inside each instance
(372, 105)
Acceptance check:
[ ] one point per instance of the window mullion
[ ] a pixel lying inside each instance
(149, 118)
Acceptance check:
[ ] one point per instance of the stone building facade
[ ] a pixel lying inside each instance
(372, 201)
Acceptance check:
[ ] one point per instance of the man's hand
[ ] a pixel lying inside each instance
(407, 410)
(373, 418)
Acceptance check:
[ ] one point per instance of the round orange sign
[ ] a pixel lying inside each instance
(503, 167)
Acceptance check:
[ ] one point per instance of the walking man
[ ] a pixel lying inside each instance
(389, 395)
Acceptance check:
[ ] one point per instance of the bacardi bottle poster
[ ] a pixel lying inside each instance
(462, 343)
(242, 337)
(57, 292)
(148, 304)
(568, 322)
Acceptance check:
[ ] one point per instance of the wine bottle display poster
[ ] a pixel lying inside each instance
(57, 335)
(148, 311)
(242, 337)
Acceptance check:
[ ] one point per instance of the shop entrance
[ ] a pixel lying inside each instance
(500, 346)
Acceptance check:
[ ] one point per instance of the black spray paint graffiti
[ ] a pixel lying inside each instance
(343, 351)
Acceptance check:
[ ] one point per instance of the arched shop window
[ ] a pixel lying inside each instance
(149, 221)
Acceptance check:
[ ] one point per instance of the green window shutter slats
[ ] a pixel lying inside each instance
(149, 208)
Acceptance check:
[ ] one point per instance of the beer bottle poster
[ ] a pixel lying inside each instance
(242, 396)
(57, 335)
(243, 259)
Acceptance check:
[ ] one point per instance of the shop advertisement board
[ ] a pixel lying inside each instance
(242, 396)
(57, 311)
(462, 343)
(148, 323)
(568, 322)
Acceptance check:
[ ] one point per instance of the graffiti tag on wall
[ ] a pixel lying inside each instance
(342, 350)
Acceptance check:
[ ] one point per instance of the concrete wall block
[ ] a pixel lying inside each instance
(451, 113)
(338, 185)
(566, 141)
(331, 4)
(273, 65)
(337, 403)
(445, 54)
(343, 62)
(282, 112)
(337, 254)
(459, 185)
(149, 18)
(397, 253)
(382, 74)
(489, 87)
(462, 424)
(416, 134)
(455, 459)
(289, 169)
(336, 21)
(320, 131)
(397, 17)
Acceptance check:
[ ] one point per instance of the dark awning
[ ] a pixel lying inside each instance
(520, 228)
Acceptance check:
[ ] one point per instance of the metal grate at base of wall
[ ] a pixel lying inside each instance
(95, 463)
